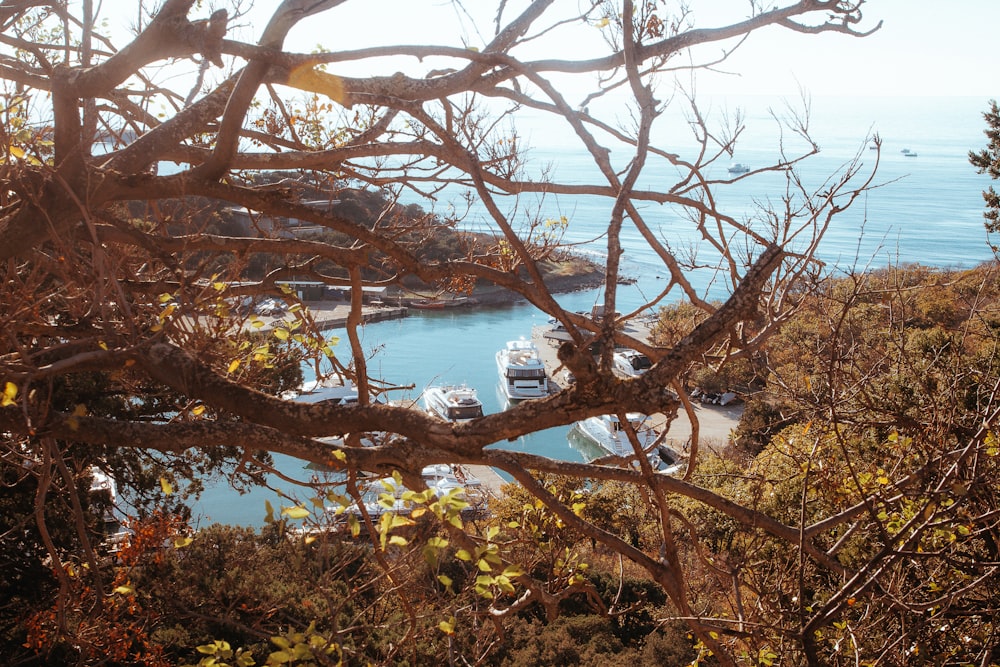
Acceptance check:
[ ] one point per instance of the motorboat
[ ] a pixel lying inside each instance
(446, 475)
(454, 403)
(738, 168)
(631, 363)
(608, 433)
(522, 373)
(325, 392)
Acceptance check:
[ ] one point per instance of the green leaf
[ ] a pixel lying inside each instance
(448, 627)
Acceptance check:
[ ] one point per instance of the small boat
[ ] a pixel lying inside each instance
(427, 304)
(607, 432)
(905, 151)
(909, 154)
(522, 373)
(738, 168)
(454, 403)
(631, 363)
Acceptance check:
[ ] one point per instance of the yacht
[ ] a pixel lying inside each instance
(608, 433)
(738, 168)
(320, 391)
(522, 373)
(631, 363)
(454, 403)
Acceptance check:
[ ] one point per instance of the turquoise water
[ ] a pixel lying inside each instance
(927, 209)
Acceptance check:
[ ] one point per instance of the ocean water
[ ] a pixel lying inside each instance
(926, 209)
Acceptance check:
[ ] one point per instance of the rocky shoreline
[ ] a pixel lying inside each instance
(570, 275)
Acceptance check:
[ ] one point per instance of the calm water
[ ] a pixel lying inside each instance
(927, 209)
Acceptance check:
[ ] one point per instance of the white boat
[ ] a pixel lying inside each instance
(453, 402)
(320, 391)
(631, 363)
(104, 491)
(738, 168)
(522, 373)
(389, 494)
(445, 475)
(324, 392)
(607, 432)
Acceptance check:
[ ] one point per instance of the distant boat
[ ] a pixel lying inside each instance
(522, 373)
(909, 154)
(440, 304)
(454, 403)
(738, 168)
(427, 304)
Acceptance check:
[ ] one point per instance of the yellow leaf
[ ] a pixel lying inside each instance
(9, 392)
(295, 512)
(309, 539)
(181, 542)
(218, 287)
(233, 365)
(166, 486)
(281, 334)
(445, 580)
(603, 23)
(398, 540)
(315, 81)
(123, 590)
(101, 344)
(198, 410)
(17, 151)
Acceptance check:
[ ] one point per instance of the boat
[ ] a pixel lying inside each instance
(446, 475)
(324, 391)
(522, 373)
(607, 432)
(738, 168)
(631, 363)
(389, 494)
(909, 154)
(104, 493)
(427, 304)
(454, 403)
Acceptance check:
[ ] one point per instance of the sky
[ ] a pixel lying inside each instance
(925, 47)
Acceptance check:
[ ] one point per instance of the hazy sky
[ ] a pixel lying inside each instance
(925, 47)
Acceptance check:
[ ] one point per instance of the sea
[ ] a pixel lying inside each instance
(926, 207)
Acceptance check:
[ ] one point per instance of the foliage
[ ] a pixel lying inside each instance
(128, 347)
(987, 161)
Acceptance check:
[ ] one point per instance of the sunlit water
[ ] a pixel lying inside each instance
(928, 209)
